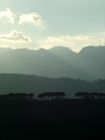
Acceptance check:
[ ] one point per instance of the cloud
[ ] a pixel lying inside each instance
(76, 43)
(34, 18)
(7, 15)
(15, 36)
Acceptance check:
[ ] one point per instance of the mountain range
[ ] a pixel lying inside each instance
(88, 64)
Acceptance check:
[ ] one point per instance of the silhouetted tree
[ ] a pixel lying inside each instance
(84, 95)
(30, 95)
(20, 95)
(41, 96)
(51, 95)
(59, 95)
(92, 95)
(101, 95)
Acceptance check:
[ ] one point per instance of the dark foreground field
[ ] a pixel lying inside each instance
(66, 118)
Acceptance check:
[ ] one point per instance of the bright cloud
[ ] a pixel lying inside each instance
(15, 36)
(7, 15)
(76, 43)
(34, 18)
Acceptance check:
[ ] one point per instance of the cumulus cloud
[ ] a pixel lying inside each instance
(7, 15)
(34, 18)
(15, 36)
(76, 43)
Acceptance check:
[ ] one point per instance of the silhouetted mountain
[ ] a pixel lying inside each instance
(59, 61)
(18, 83)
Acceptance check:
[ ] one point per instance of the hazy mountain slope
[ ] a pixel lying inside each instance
(40, 62)
(70, 57)
(92, 61)
(89, 64)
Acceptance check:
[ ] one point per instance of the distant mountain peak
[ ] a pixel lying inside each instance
(92, 48)
(61, 49)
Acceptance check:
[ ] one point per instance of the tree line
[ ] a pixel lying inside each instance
(91, 95)
(52, 95)
(17, 96)
(41, 96)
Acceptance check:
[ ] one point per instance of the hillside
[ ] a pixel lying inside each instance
(59, 61)
(36, 84)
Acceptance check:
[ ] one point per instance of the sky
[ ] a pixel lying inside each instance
(37, 24)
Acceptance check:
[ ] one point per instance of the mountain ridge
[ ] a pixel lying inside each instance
(59, 61)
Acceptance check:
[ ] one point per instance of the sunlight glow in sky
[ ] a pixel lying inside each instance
(44, 23)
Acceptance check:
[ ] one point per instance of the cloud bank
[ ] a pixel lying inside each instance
(15, 36)
(76, 43)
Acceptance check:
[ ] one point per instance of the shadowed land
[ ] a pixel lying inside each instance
(58, 115)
